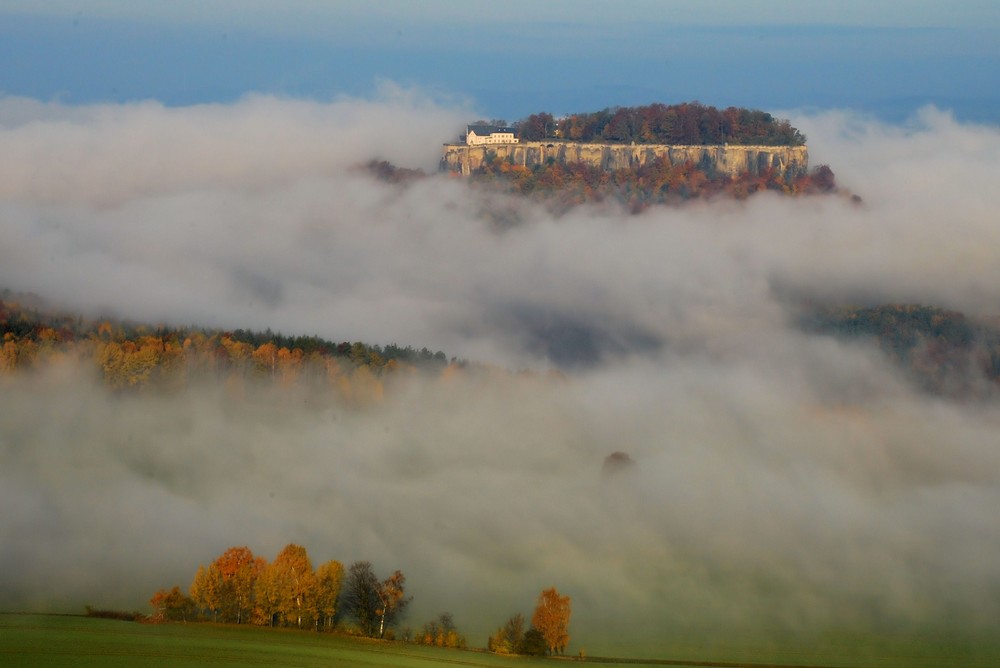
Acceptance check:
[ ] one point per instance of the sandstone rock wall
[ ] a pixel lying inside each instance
(730, 159)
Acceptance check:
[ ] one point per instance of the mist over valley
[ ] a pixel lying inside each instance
(785, 480)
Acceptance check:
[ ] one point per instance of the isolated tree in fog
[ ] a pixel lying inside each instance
(551, 618)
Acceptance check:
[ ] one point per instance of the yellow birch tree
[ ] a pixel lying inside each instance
(551, 618)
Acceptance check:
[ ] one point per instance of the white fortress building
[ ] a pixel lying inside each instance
(478, 135)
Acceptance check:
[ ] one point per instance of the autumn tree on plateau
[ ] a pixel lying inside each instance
(551, 618)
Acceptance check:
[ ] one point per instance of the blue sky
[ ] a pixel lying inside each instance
(506, 60)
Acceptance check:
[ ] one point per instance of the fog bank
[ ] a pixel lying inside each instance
(783, 481)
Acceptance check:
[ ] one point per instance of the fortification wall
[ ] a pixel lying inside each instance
(729, 159)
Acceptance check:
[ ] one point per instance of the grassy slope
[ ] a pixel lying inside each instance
(839, 649)
(51, 640)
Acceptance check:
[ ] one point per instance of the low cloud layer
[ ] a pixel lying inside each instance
(782, 480)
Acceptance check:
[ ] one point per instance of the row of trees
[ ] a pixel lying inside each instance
(135, 357)
(548, 633)
(241, 588)
(687, 123)
(440, 632)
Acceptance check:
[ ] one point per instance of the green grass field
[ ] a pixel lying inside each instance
(51, 640)
(54, 640)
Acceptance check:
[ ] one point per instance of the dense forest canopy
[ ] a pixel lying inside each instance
(688, 123)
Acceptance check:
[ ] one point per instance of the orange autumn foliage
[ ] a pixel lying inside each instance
(551, 618)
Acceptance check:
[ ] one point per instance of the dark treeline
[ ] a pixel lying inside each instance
(362, 353)
(390, 173)
(942, 351)
(688, 123)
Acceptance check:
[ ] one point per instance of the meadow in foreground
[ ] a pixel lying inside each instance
(62, 640)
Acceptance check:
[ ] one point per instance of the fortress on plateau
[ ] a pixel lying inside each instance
(485, 144)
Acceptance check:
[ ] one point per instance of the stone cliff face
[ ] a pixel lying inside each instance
(732, 160)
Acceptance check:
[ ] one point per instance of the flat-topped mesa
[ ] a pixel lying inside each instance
(730, 159)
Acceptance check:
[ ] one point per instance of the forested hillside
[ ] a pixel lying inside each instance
(942, 351)
(130, 356)
(679, 124)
